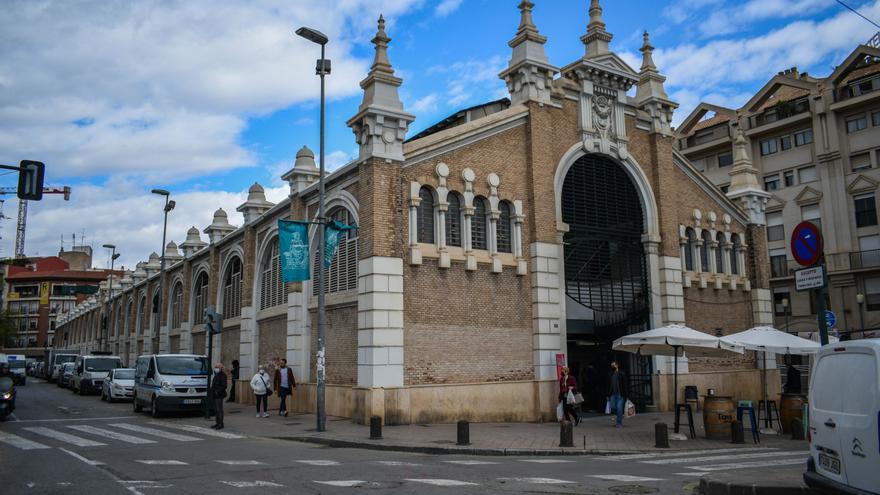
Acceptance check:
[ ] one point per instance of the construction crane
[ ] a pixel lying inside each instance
(21, 226)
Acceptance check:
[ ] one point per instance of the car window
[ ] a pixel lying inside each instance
(825, 390)
(857, 396)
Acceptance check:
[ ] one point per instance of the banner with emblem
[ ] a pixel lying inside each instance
(332, 236)
(293, 242)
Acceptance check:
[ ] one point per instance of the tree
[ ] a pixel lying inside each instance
(8, 330)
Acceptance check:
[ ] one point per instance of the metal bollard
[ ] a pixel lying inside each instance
(464, 433)
(737, 434)
(375, 428)
(661, 436)
(566, 434)
(797, 429)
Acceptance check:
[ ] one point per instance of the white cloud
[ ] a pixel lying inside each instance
(739, 17)
(447, 7)
(468, 78)
(425, 104)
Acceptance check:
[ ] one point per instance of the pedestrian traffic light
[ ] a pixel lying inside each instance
(213, 321)
(30, 180)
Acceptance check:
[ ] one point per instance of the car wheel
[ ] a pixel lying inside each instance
(137, 407)
(154, 408)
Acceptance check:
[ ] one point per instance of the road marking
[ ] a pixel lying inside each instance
(471, 463)
(251, 484)
(122, 437)
(441, 482)
(545, 461)
(133, 486)
(77, 456)
(539, 481)
(30, 484)
(64, 437)
(197, 429)
(689, 460)
(21, 442)
(72, 419)
(623, 477)
(158, 433)
(162, 462)
(755, 464)
(343, 483)
(688, 474)
(681, 453)
(397, 463)
(241, 463)
(319, 463)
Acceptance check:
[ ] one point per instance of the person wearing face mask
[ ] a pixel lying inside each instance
(218, 393)
(617, 392)
(260, 386)
(286, 383)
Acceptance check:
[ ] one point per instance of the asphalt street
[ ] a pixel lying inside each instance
(58, 442)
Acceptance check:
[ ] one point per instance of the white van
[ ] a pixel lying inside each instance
(17, 363)
(170, 382)
(845, 418)
(89, 373)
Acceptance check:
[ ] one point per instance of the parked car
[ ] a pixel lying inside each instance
(66, 373)
(89, 372)
(845, 418)
(170, 382)
(17, 363)
(119, 385)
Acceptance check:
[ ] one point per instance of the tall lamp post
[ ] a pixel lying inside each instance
(106, 333)
(169, 205)
(860, 298)
(322, 69)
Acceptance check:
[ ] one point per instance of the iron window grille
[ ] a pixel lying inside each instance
(232, 289)
(453, 220)
(478, 224)
(342, 274)
(504, 228)
(426, 216)
(177, 305)
(689, 249)
(272, 292)
(704, 251)
(719, 252)
(734, 256)
(200, 299)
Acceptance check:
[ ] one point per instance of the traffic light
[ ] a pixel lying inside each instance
(30, 180)
(213, 321)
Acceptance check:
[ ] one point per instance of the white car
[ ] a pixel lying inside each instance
(119, 385)
(845, 419)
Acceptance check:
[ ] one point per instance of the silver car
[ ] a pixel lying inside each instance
(119, 385)
(65, 374)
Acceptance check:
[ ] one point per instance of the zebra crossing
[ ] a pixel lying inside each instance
(704, 461)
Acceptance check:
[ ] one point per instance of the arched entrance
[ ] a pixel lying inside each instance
(606, 275)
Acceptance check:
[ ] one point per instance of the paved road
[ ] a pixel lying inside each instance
(62, 443)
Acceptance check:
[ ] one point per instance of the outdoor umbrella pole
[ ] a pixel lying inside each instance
(767, 418)
(675, 381)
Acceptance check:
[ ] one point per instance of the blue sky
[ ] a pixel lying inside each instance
(205, 97)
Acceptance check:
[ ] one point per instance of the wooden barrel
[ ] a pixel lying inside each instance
(792, 407)
(718, 413)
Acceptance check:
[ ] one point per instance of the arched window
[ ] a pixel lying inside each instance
(177, 305)
(689, 249)
(479, 223)
(272, 292)
(141, 314)
(342, 274)
(734, 254)
(453, 220)
(426, 216)
(719, 252)
(504, 228)
(704, 251)
(200, 297)
(232, 289)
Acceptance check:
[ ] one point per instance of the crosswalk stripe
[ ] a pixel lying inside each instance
(197, 429)
(162, 462)
(21, 442)
(472, 463)
(397, 463)
(90, 462)
(629, 457)
(546, 461)
(343, 483)
(441, 482)
(755, 464)
(538, 481)
(691, 460)
(158, 433)
(623, 478)
(319, 463)
(64, 437)
(241, 463)
(122, 437)
(252, 484)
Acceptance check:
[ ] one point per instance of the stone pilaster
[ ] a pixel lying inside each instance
(546, 307)
(298, 344)
(380, 322)
(248, 342)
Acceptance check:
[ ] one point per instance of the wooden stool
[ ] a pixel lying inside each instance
(690, 418)
(762, 409)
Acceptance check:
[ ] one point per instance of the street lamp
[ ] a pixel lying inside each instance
(106, 330)
(860, 299)
(322, 69)
(169, 205)
(785, 303)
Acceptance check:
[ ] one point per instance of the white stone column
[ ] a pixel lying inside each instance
(415, 253)
(698, 256)
(186, 338)
(725, 258)
(164, 342)
(248, 342)
(470, 258)
(494, 215)
(442, 208)
(671, 290)
(741, 260)
(521, 266)
(762, 306)
(546, 310)
(298, 352)
(713, 246)
(683, 247)
(380, 322)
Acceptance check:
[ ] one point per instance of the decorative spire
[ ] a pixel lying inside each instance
(381, 40)
(526, 24)
(647, 54)
(744, 186)
(651, 95)
(529, 75)
(597, 38)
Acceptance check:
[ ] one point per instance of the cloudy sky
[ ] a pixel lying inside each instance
(204, 97)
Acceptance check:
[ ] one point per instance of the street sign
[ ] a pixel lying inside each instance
(806, 244)
(809, 278)
(830, 318)
(30, 180)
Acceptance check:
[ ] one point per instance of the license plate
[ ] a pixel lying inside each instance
(829, 463)
(192, 401)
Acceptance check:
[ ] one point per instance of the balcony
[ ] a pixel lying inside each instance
(780, 111)
(864, 259)
(858, 88)
(704, 136)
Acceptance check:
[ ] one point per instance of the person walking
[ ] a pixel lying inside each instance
(286, 383)
(567, 383)
(617, 392)
(218, 393)
(234, 377)
(260, 386)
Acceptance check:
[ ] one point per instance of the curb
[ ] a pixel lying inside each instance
(708, 486)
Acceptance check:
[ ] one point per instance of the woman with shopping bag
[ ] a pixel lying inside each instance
(568, 396)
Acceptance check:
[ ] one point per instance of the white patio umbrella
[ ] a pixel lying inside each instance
(668, 340)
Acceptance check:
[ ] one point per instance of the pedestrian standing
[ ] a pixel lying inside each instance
(260, 386)
(792, 380)
(286, 383)
(234, 377)
(218, 393)
(568, 384)
(617, 392)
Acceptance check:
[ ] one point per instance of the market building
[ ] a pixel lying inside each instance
(547, 223)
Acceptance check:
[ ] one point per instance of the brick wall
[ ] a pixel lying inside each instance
(709, 309)
(229, 345)
(341, 344)
(273, 339)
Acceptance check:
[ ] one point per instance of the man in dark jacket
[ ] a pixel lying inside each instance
(217, 394)
(234, 377)
(617, 392)
(284, 382)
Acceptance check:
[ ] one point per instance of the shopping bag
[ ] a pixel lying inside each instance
(608, 406)
(578, 398)
(559, 412)
(630, 409)
(569, 398)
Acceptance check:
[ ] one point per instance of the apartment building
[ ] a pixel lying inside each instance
(816, 143)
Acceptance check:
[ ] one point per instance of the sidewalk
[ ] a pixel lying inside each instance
(595, 435)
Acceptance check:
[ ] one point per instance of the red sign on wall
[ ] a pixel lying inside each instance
(560, 363)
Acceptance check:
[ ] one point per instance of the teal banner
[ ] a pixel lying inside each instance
(332, 235)
(293, 239)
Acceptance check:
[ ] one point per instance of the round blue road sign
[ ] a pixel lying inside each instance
(830, 318)
(806, 244)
